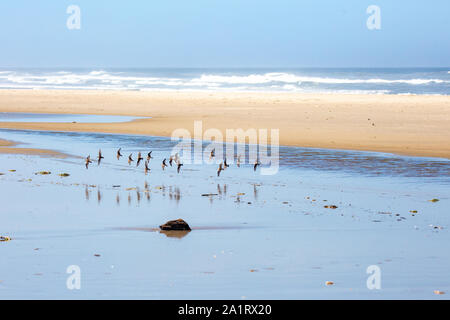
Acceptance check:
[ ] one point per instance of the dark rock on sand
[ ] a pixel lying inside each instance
(178, 225)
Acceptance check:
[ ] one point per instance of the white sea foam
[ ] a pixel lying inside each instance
(270, 81)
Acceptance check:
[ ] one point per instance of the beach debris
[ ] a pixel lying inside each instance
(4, 238)
(2, 174)
(178, 225)
(12, 170)
(97, 255)
(209, 194)
(434, 200)
(413, 211)
(43, 172)
(330, 207)
(329, 283)
(63, 174)
(253, 270)
(241, 194)
(438, 292)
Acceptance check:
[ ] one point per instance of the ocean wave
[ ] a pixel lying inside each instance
(269, 81)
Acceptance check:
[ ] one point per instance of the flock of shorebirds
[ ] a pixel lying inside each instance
(172, 159)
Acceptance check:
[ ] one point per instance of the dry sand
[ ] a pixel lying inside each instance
(403, 124)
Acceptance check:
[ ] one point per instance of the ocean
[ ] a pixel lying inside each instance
(404, 81)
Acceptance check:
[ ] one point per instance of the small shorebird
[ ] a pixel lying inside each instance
(238, 162)
(130, 159)
(119, 154)
(170, 160)
(212, 154)
(177, 158)
(163, 165)
(225, 164)
(100, 157)
(149, 156)
(179, 165)
(147, 169)
(139, 159)
(220, 169)
(257, 163)
(88, 160)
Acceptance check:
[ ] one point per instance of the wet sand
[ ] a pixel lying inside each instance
(254, 237)
(408, 125)
(6, 147)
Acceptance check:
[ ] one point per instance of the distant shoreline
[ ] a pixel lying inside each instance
(416, 125)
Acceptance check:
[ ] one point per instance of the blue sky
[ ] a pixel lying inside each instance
(226, 33)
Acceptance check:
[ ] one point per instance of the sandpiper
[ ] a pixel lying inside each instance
(139, 159)
(179, 165)
(212, 154)
(238, 162)
(100, 157)
(147, 169)
(130, 159)
(257, 163)
(88, 160)
(170, 160)
(119, 154)
(163, 165)
(149, 156)
(225, 164)
(220, 169)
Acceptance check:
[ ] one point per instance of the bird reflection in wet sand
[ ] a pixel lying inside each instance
(99, 196)
(147, 195)
(86, 193)
(255, 192)
(118, 199)
(138, 196)
(129, 199)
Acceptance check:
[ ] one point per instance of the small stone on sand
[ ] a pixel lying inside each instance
(178, 225)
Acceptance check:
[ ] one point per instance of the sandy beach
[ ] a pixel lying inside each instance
(417, 125)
